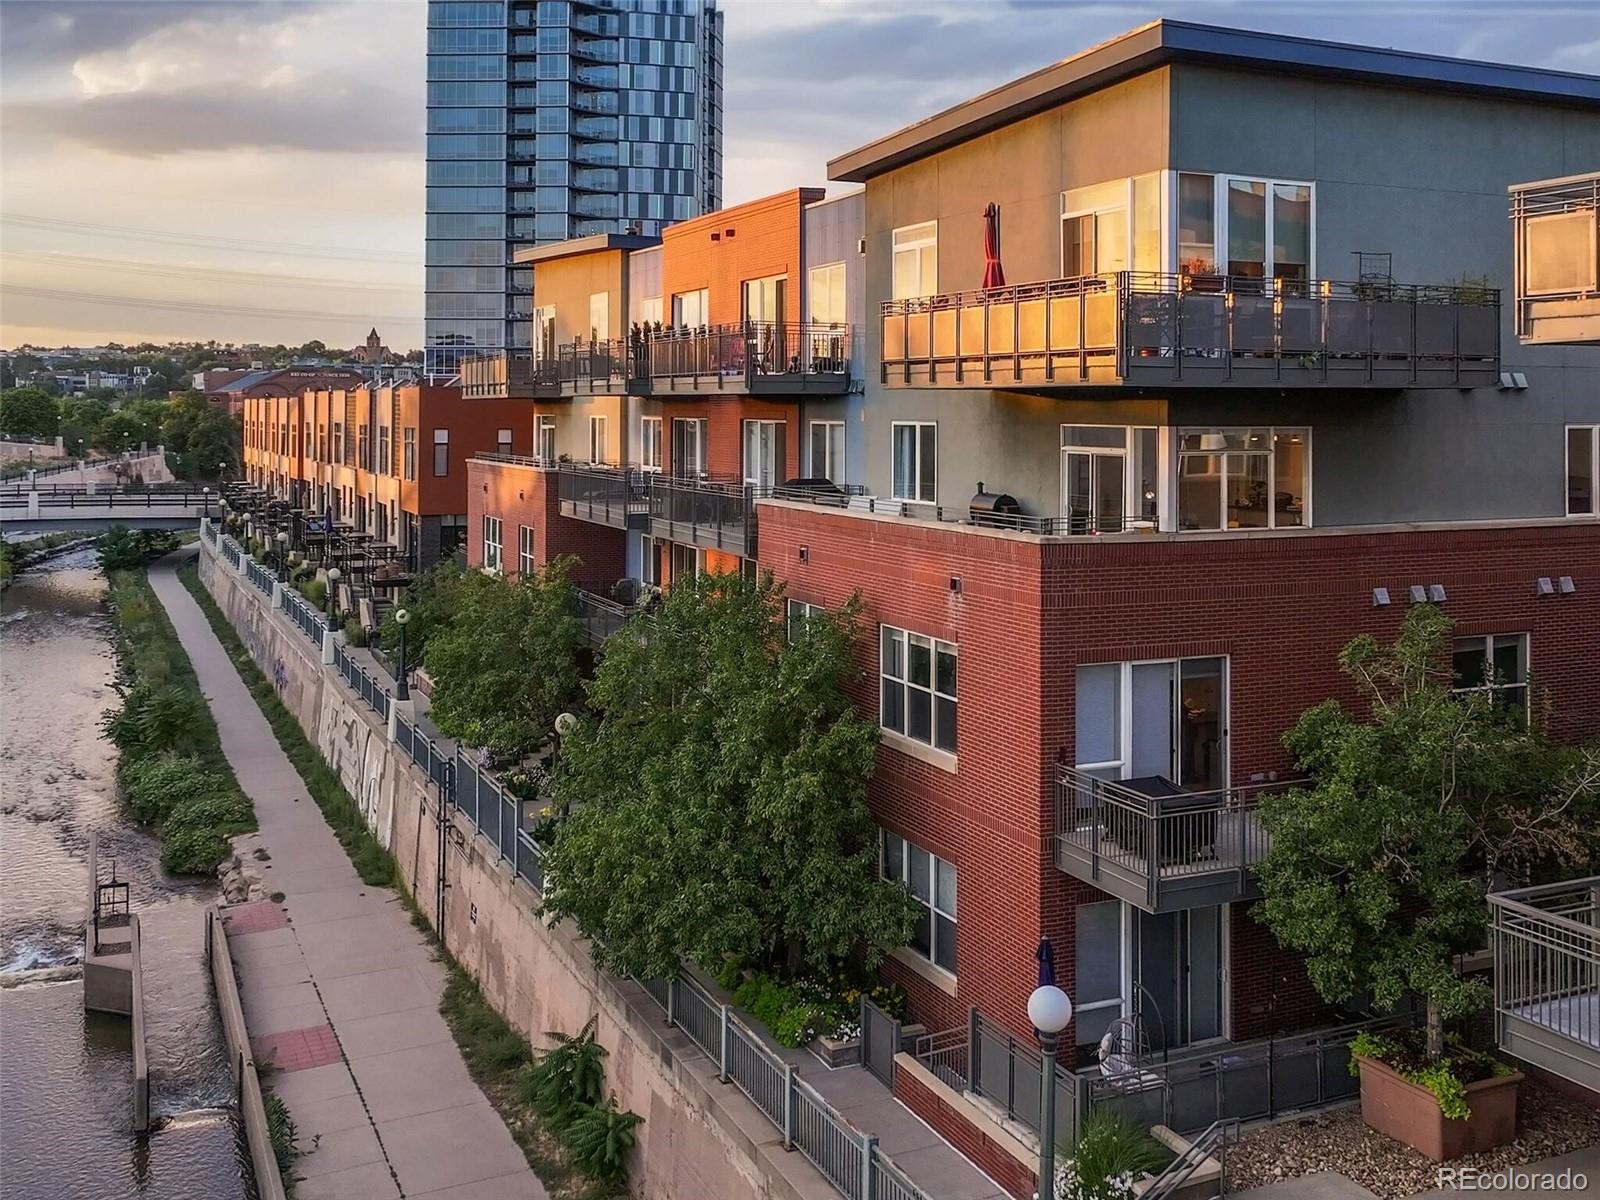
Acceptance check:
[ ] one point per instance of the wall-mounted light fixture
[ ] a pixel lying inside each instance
(805, 553)
(955, 585)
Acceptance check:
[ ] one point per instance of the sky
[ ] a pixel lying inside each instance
(252, 170)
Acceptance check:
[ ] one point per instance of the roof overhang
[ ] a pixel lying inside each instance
(585, 245)
(1163, 42)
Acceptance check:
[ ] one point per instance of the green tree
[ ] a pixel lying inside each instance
(1379, 867)
(80, 421)
(29, 412)
(198, 436)
(506, 665)
(716, 804)
(431, 600)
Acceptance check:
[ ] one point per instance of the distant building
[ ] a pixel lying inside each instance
(283, 381)
(374, 351)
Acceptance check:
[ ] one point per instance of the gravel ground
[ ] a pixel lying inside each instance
(1548, 1124)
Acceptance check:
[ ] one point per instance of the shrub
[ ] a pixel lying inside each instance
(122, 548)
(316, 591)
(157, 784)
(356, 632)
(1110, 1155)
(195, 835)
(568, 1077)
(600, 1138)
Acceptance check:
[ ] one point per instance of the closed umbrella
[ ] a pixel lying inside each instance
(1046, 957)
(994, 275)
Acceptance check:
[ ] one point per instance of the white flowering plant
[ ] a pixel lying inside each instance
(1111, 1154)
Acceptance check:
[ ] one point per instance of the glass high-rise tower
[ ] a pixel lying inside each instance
(555, 119)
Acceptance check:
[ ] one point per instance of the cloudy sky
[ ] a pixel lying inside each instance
(252, 170)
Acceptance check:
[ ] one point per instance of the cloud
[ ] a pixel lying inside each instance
(328, 112)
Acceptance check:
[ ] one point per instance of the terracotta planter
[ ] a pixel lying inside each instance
(1409, 1113)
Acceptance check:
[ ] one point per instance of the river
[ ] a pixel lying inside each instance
(66, 1079)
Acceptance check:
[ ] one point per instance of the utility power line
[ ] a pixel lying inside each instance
(195, 273)
(240, 310)
(177, 238)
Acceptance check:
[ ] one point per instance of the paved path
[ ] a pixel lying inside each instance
(341, 990)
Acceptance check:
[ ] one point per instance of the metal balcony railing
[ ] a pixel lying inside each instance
(576, 368)
(1203, 330)
(1546, 945)
(604, 495)
(601, 615)
(713, 514)
(755, 356)
(1556, 226)
(1157, 846)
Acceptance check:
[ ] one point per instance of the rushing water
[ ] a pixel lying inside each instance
(66, 1076)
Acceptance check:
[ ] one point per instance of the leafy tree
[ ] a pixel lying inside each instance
(431, 600)
(716, 804)
(507, 664)
(80, 421)
(29, 412)
(1379, 867)
(198, 436)
(121, 548)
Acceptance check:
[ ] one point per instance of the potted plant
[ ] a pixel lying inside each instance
(1200, 275)
(1380, 864)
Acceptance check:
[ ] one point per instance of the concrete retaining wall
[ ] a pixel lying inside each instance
(700, 1137)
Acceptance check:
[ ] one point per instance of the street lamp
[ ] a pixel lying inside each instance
(283, 555)
(1050, 1011)
(333, 587)
(402, 618)
(205, 503)
(222, 471)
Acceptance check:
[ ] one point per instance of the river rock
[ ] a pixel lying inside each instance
(240, 874)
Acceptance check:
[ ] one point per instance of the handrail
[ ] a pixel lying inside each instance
(1212, 1142)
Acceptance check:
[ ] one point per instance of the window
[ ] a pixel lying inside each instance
(1496, 664)
(502, 441)
(649, 561)
(525, 562)
(1197, 224)
(441, 452)
(916, 260)
(650, 443)
(409, 453)
(597, 439)
(688, 447)
(338, 441)
(827, 450)
(687, 561)
(1583, 457)
(764, 457)
(915, 455)
(1109, 477)
(689, 309)
(1244, 478)
(932, 882)
(385, 452)
(798, 611)
(546, 449)
(1094, 229)
(763, 299)
(1251, 228)
(919, 687)
(825, 298)
(491, 543)
(1164, 718)
(599, 316)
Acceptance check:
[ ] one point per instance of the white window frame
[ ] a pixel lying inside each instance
(502, 441)
(526, 557)
(650, 444)
(916, 473)
(597, 441)
(832, 464)
(649, 561)
(1594, 469)
(886, 681)
(701, 306)
(822, 278)
(939, 906)
(1132, 499)
(1272, 431)
(492, 545)
(545, 450)
(599, 316)
(751, 440)
(916, 238)
(1492, 688)
(1125, 207)
(699, 558)
(1124, 764)
(1219, 209)
(701, 437)
(799, 610)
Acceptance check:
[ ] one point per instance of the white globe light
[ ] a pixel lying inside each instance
(402, 616)
(1049, 1009)
(566, 724)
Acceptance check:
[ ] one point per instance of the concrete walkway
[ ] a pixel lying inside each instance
(340, 990)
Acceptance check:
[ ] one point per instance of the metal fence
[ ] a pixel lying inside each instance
(363, 684)
(880, 1041)
(849, 1159)
(1546, 943)
(300, 611)
(493, 811)
(258, 575)
(208, 531)
(230, 551)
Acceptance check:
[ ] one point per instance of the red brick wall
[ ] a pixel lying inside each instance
(725, 417)
(521, 495)
(955, 1129)
(1029, 612)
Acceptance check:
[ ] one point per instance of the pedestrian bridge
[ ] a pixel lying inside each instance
(24, 514)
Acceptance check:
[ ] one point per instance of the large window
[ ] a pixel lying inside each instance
(545, 452)
(916, 260)
(825, 296)
(688, 447)
(491, 543)
(1197, 224)
(597, 440)
(918, 687)
(1165, 718)
(1583, 467)
(1497, 664)
(932, 882)
(827, 450)
(690, 310)
(650, 443)
(764, 299)
(409, 452)
(764, 456)
(798, 612)
(1244, 478)
(1112, 226)
(525, 557)
(441, 452)
(502, 441)
(1109, 477)
(916, 454)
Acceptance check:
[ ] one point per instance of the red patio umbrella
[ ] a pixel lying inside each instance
(994, 275)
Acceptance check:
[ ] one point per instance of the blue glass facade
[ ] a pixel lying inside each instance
(554, 119)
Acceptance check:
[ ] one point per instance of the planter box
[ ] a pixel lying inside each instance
(1395, 1106)
(847, 1053)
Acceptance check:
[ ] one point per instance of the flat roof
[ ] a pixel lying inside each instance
(585, 245)
(1163, 42)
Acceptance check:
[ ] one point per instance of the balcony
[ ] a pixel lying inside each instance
(712, 514)
(1149, 842)
(601, 616)
(575, 369)
(1195, 331)
(1557, 232)
(1546, 944)
(756, 358)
